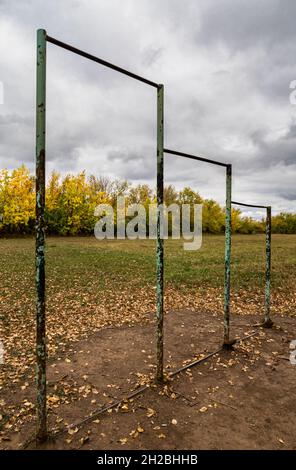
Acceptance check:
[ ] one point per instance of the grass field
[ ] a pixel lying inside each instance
(88, 262)
(91, 284)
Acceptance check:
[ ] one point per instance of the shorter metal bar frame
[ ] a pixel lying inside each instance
(267, 322)
(227, 343)
(159, 242)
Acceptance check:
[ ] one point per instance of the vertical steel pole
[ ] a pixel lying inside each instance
(159, 241)
(227, 342)
(267, 320)
(41, 430)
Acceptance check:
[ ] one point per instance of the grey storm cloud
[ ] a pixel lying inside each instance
(226, 66)
(275, 152)
(133, 165)
(247, 23)
(290, 195)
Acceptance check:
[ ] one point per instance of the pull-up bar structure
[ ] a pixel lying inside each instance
(42, 39)
(227, 343)
(267, 322)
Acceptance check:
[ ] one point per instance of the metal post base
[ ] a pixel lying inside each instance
(267, 323)
(228, 345)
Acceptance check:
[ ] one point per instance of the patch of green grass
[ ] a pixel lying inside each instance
(88, 263)
(91, 284)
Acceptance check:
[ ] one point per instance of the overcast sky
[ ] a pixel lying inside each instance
(226, 66)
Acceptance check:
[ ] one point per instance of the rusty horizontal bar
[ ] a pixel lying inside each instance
(195, 157)
(86, 55)
(249, 205)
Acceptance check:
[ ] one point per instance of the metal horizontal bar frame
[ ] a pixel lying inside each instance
(86, 55)
(42, 39)
(267, 322)
(227, 343)
(249, 205)
(194, 157)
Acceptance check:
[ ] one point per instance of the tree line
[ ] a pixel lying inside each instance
(71, 200)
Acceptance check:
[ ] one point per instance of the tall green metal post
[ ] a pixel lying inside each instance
(159, 241)
(227, 342)
(267, 320)
(41, 430)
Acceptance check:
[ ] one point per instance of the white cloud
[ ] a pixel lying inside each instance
(226, 68)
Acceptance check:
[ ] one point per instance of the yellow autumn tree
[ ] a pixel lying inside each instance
(77, 203)
(71, 201)
(236, 221)
(17, 200)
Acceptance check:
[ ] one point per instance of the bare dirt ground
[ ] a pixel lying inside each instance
(241, 399)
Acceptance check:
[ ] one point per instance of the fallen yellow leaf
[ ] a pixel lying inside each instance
(203, 409)
(72, 431)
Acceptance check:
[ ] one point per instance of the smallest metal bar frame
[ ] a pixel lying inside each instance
(227, 343)
(267, 323)
(249, 205)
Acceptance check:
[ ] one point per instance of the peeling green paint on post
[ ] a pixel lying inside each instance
(41, 427)
(227, 256)
(159, 241)
(267, 320)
